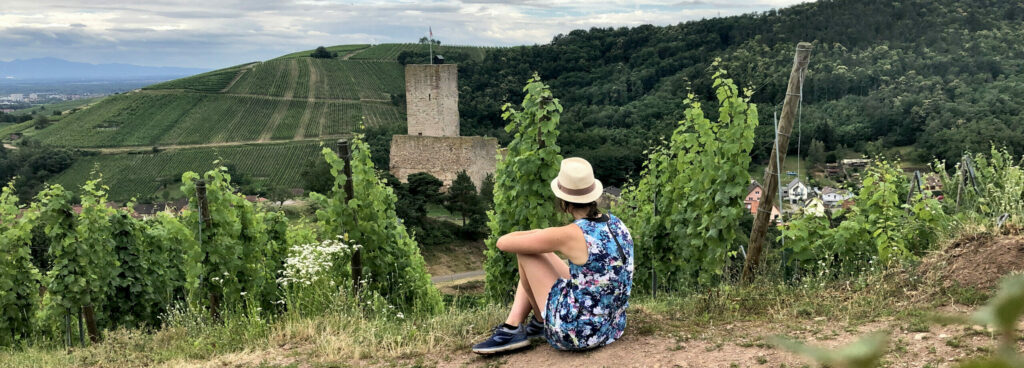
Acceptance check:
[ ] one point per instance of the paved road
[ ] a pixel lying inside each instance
(456, 276)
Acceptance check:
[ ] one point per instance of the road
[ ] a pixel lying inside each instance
(456, 277)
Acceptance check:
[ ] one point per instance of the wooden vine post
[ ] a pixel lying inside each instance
(204, 222)
(794, 93)
(345, 151)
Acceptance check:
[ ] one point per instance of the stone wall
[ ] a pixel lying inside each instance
(432, 99)
(443, 157)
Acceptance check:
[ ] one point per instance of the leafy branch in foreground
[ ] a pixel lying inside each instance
(697, 182)
(19, 279)
(392, 265)
(522, 195)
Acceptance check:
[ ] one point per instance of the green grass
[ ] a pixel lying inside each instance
(131, 175)
(790, 164)
(342, 336)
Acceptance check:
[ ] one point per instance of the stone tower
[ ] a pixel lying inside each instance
(432, 99)
(433, 144)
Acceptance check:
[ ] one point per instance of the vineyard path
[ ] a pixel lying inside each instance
(142, 149)
(300, 133)
(237, 77)
(350, 54)
(282, 107)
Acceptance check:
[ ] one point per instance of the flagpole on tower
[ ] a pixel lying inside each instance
(431, 42)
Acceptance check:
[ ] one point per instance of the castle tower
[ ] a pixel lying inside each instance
(432, 99)
(433, 144)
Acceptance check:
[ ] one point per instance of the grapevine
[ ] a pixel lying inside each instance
(19, 279)
(522, 196)
(698, 182)
(392, 265)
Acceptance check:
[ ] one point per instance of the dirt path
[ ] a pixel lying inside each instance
(143, 149)
(237, 77)
(350, 54)
(282, 107)
(745, 345)
(300, 133)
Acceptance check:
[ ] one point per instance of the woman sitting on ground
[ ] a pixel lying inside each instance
(577, 306)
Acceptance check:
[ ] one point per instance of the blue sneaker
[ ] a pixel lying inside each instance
(504, 339)
(535, 329)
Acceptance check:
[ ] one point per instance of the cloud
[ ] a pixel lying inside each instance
(217, 33)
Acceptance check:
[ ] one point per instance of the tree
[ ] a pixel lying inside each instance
(522, 194)
(462, 197)
(41, 122)
(816, 154)
(322, 53)
(317, 177)
(487, 191)
(426, 186)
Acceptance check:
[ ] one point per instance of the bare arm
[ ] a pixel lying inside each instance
(539, 241)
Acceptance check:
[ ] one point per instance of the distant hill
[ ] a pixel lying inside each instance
(269, 118)
(934, 78)
(58, 69)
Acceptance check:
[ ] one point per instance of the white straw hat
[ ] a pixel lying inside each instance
(575, 182)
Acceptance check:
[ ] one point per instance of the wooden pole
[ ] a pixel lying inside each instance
(794, 93)
(357, 259)
(204, 222)
(90, 323)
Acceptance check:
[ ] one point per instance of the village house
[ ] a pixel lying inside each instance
(795, 191)
(833, 197)
(753, 201)
(814, 207)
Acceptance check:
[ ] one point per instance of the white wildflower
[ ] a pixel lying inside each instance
(308, 263)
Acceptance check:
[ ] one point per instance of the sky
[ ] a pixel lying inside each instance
(215, 34)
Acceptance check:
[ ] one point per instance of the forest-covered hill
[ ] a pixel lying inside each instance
(934, 78)
(943, 76)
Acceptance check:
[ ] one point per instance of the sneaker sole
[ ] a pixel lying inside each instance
(501, 349)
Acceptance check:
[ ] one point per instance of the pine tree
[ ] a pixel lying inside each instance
(462, 197)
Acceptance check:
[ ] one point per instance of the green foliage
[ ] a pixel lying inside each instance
(522, 194)
(236, 255)
(19, 279)
(392, 265)
(878, 228)
(275, 165)
(1000, 185)
(463, 199)
(84, 262)
(698, 182)
(487, 191)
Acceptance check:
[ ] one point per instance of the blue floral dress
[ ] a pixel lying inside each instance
(589, 309)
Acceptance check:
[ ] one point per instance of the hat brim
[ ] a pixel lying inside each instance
(586, 198)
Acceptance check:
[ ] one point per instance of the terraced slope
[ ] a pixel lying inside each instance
(282, 99)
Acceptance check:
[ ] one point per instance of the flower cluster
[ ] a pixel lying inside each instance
(307, 263)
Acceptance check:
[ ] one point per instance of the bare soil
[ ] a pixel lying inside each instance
(745, 345)
(978, 261)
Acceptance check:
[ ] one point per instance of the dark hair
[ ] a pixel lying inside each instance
(569, 207)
